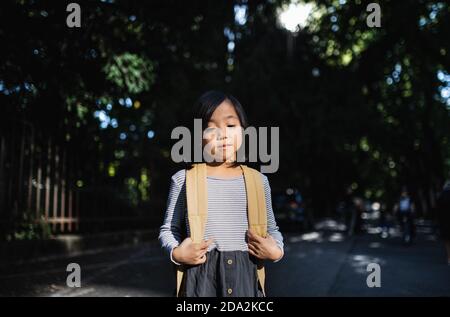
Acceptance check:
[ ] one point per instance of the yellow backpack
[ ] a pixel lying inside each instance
(197, 208)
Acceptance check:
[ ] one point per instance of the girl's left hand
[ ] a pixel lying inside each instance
(263, 248)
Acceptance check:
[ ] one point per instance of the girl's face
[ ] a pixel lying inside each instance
(223, 135)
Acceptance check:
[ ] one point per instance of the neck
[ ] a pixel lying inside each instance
(221, 165)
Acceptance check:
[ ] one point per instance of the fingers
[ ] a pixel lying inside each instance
(207, 243)
(204, 244)
(198, 254)
(200, 246)
(195, 253)
(255, 244)
(253, 248)
(201, 250)
(254, 253)
(252, 236)
(200, 260)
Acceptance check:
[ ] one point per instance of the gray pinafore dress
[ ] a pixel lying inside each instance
(224, 274)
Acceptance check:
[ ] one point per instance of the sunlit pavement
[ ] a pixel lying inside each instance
(320, 263)
(329, 264)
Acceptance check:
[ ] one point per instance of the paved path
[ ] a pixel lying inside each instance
(321, 263)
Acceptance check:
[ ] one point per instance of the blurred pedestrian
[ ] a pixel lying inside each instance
(384, 221)
(349, 210)
(405, 209)
(443, 210)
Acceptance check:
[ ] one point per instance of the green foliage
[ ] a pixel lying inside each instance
(130, 72)
(28, 226)
(355, 105)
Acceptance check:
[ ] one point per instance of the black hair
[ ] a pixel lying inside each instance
(210, 100)
(208, 103)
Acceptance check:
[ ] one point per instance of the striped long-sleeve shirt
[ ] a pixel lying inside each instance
(227, 221)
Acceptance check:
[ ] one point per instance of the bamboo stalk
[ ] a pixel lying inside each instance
(21, 159)
(55, 185)
(47, 182)
(30, 175)
(63, 189)
(38, 183)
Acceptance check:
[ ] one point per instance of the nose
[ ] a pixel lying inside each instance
(221, 135)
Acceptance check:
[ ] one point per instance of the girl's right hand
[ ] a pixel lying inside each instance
(191, 253)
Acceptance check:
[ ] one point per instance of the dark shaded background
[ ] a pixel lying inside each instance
(86, 113)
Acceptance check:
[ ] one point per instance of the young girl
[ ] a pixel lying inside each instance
(225, 263)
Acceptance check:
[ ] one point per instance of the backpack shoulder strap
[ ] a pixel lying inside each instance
(197, 208)
(256, 201)
(257, 211)
(197, 201)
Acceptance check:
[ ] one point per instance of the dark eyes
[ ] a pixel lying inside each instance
(211, 129)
